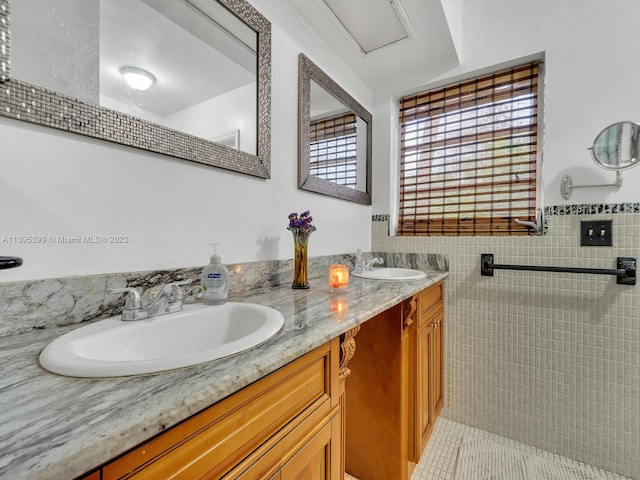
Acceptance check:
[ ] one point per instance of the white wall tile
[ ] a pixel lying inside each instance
(548, 359)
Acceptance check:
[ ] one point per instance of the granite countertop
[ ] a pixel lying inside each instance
(56, 427)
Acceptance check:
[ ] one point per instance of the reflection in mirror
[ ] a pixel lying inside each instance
(206, 64)
(334, 140)
(617, 146)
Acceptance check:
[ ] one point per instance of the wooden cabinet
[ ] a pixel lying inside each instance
(394, 392)
(285, 426)
(429, 360)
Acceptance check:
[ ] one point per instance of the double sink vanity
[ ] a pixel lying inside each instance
(347, 374)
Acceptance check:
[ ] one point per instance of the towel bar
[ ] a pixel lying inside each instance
(10, 262)
(625, 271)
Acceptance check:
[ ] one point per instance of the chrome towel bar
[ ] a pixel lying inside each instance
(625, 271)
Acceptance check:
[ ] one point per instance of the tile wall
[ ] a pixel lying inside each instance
(548, 359)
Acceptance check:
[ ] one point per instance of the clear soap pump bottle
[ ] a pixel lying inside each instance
(215, 280)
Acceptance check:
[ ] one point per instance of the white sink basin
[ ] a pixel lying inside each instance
(388, 273)
(197, 334)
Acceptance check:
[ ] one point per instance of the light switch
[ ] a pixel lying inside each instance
(596, 233)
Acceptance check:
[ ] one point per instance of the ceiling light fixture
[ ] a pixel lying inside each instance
(137, 78)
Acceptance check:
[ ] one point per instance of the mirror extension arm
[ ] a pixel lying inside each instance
(567, 186)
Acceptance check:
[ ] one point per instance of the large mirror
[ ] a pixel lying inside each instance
(334, 149)
(186, 78)
(618, 146)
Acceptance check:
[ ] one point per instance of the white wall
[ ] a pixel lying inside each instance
(53, 183)
(591, 81)
(204, 119)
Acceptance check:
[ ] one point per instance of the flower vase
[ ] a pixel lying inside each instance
(300, 242)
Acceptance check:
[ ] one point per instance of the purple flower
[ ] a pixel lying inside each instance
(302, 221)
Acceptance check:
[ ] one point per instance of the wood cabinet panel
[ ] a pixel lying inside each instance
(212, 442)
(269, 458)
(424, 407)
(91, 476)
(429, 364)
(429, 300)
(313, 460)
(438, 358)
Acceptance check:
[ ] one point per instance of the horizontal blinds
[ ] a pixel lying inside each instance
(469, 156)
(331, 127)
(333, 149)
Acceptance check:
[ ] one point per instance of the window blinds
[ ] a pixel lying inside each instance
(333, 149)
(469, 156)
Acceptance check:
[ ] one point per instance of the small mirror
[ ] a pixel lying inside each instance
(334, 156)
(618, 146)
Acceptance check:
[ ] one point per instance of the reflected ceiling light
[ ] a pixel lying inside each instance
(137, 78)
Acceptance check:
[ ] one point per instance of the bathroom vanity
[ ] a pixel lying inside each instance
(285, 409)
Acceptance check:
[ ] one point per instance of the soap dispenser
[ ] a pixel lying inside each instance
(215, 280)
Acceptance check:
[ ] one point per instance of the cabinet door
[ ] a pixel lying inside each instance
(424, 405)
(313, 460)
(438, 352)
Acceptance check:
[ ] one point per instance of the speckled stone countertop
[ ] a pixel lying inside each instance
(55, 427)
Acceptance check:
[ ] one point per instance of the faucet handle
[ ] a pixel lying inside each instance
(174, 291)
(133, 298)
(132, 305)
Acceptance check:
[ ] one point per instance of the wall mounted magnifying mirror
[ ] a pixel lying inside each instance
(617, 147)
(334, 138)
(205, 68)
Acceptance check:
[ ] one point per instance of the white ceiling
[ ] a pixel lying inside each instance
(187, 68)
(429, 51)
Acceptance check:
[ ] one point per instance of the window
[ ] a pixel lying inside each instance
(333, 154)
(469, 153)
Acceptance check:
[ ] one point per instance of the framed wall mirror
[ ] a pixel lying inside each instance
(186, 78)
(334, 137)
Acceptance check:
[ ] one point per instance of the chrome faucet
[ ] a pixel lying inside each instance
(362, 266)
(168, 300)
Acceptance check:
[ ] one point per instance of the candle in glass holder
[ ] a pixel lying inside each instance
(338, 277)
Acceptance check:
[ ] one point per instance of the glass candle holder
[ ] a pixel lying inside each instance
(338, 277)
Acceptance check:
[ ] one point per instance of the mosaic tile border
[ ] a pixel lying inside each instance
(578, 209)
(593, 209)
(30, 103)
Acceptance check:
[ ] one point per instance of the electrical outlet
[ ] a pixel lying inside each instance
(596, 233)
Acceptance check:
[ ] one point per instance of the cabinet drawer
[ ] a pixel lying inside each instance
(213, 441)
(429, 302)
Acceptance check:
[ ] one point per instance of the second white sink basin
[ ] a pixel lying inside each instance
(388, 273)
(197, 334)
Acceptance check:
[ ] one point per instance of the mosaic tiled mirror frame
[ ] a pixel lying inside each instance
(23, 101)
(308, 71)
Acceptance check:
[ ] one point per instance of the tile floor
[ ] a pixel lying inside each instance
(439, 458)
